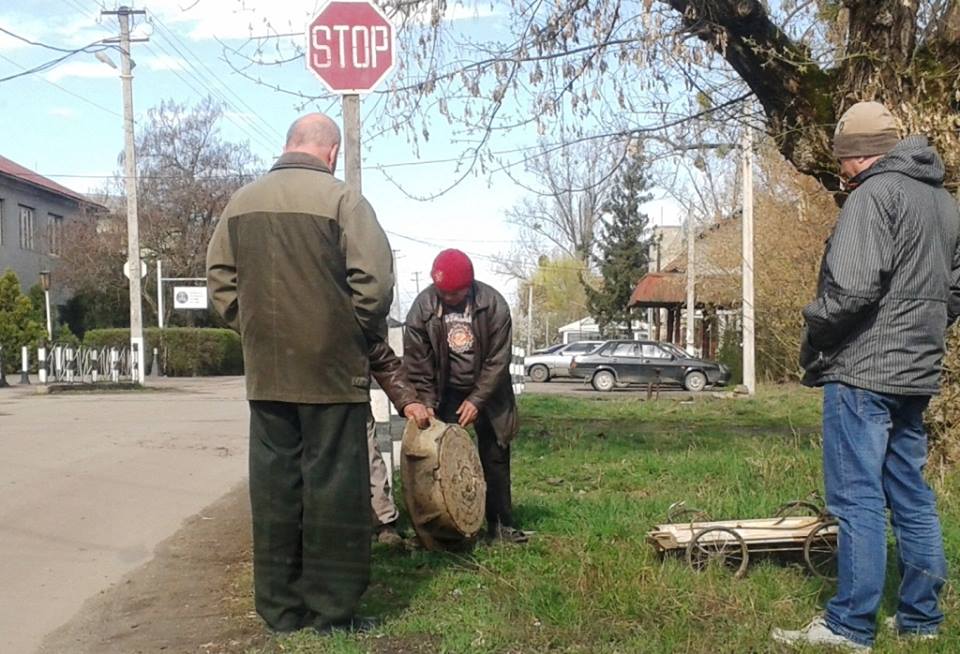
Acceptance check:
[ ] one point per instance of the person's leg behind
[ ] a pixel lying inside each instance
(276, 506)
(384, 509)
(336, 510)
(916, 525)
(495, 461)
(856, 428)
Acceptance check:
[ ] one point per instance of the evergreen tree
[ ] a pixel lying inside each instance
(20, 323)
(624, 247)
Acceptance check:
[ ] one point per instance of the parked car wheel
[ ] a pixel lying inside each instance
(539, 373)
(695, 381)
(604, 381)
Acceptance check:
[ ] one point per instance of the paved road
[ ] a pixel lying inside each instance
(577, 388)
(89, 484)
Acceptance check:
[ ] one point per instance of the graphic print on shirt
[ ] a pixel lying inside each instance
(459, 332)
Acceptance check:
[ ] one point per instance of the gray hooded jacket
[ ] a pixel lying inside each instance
(889, 281)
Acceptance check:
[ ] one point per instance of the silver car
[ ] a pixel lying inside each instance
(553, 362)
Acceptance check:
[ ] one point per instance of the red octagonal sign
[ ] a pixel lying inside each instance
(350, 46)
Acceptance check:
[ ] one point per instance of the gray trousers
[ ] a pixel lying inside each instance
(381, 499)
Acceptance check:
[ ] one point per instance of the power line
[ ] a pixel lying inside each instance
(67, 91)
(40, 44)
(172, 39)
(199, 87)
(47, 65)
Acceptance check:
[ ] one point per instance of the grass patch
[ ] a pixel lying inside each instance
(591, 477)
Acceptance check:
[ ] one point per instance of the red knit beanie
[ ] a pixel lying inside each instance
(452, 271)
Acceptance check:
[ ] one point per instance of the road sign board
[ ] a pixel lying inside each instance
(126, 269)
(350, 46)
(189, 297)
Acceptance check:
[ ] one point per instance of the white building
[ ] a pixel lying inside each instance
(586, 329)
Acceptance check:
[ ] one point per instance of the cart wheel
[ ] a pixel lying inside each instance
(718, 545)
(820, 550)
(679, 512)
(798, 508)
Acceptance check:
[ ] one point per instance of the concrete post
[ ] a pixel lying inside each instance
(24, 365)
(70, 360)
(114, 365)
(42, 364)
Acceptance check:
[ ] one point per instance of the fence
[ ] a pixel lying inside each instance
(65, 363)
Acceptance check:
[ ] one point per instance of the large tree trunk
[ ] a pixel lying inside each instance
(883, 61)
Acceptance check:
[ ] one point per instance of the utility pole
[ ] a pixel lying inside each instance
(130, 186)
(396, 287)
(416, 280)
(530, 319)
(691, 281)
(749, 351)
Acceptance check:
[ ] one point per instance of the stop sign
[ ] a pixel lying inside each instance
(350, 46)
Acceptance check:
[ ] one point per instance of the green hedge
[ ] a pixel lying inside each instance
(184, 351)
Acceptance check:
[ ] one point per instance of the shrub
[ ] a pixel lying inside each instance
(730, 354)
(184, 351)
(943, 416)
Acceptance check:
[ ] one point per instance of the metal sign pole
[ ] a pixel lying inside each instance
(159, 294)
(351, 141)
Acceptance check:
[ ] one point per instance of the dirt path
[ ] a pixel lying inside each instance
(186, 599)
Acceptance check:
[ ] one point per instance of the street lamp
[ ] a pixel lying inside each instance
(45, 284)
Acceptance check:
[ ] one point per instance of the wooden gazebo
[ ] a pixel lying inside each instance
(717, 287)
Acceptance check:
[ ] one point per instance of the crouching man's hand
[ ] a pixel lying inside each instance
(467, 413)
(419, 413)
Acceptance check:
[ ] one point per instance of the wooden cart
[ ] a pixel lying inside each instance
(798, 527)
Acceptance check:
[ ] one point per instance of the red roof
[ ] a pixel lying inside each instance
(12, 169)
(659, 289)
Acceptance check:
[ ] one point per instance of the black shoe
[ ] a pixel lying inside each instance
(354, 625)
(505, 534)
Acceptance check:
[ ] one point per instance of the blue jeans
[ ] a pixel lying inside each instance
(874, 451)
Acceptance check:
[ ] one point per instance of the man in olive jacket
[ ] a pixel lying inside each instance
(458, 347)
(889, 287)
(299, 265)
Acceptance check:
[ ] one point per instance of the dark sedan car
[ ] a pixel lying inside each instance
(646, 362)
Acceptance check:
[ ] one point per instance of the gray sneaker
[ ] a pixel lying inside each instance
(817, 633)
(891, 625)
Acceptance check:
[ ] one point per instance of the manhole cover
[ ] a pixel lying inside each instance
(443, 484)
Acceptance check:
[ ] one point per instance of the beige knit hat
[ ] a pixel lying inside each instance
(865, 129)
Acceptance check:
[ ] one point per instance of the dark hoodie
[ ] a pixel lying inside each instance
(890, 279)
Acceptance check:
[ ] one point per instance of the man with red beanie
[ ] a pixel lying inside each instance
(457, 353)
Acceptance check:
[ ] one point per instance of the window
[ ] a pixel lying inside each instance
(579, 348)
(28, 228)
(651, 351)
(625, 350)
(1, 221)
(55, 233)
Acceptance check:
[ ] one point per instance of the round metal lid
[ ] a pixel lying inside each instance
(461, 481)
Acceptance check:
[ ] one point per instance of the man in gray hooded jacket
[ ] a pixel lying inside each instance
(889, 287)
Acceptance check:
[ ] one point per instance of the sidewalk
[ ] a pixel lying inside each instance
(92, 482)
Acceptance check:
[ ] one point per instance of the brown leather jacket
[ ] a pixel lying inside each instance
(386, 368)
(425, 356)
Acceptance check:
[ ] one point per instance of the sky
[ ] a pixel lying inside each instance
(65, 122)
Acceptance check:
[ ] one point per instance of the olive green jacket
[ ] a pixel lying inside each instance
(299, 265)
